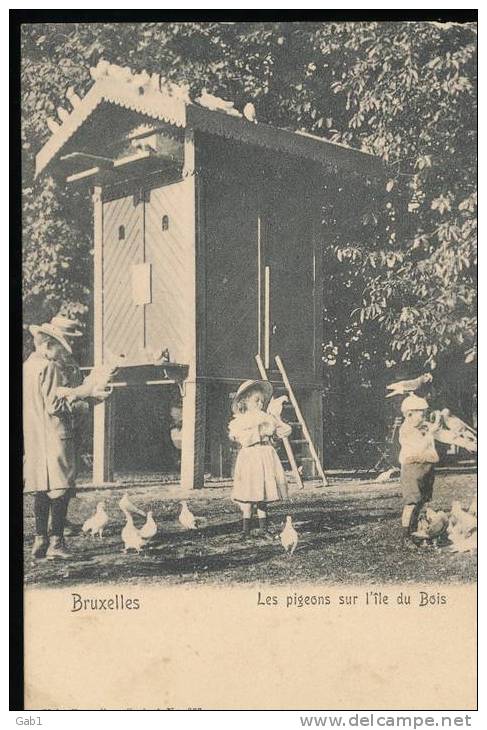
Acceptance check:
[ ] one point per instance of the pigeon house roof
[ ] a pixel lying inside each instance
(120, 100)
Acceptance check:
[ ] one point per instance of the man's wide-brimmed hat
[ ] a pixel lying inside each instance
(48, 329)
(68, 327)
(247, 385)
(414, 403)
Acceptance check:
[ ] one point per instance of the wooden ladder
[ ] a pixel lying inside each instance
(300, 440)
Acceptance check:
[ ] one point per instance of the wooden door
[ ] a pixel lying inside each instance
(289, 287)
(123, 319)
(169, 249)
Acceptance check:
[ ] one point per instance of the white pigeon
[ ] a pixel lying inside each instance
(100, 70)
(387, 475)
(473, 506)
(97, 522)
(408, 386)
(126, 505)
(73, 97)
(62, 113)
(186, 517)
(249, 112)
(462, 529)
(149, 530)
(276, 405)
(131, 537)
(216, 103)
(53, 126)
(289, 536)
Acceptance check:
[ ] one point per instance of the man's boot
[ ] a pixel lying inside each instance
(57, 549)
(39, 547)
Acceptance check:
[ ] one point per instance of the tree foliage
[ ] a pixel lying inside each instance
(404, 269)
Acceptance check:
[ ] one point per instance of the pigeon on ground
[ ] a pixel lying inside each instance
(462, 529)
(97, 522)
(131, 537)
(149, 530)
(289, 536)
(387, 475)
(408, 386)
(186, 517)
(126, 505)
(473, 506)
(431, 524)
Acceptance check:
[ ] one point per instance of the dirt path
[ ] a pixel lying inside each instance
(348, 533)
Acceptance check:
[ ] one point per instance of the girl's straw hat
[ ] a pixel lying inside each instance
(247, 385)
(51, 331)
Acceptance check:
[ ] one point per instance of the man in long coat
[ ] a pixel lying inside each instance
(49, 437)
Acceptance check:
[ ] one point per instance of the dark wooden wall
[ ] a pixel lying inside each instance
(246, 191)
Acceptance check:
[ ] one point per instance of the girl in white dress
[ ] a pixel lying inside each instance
(259, 477)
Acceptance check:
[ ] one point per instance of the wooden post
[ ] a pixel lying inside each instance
(102, 412)
(194, 398)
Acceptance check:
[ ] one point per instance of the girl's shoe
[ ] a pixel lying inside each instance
(39, 547)
(263, 531)
(245, 534)
(57, 549)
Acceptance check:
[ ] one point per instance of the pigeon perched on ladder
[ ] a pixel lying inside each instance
(186, 517)
(289, 536)
(408, 386)
(97, 522)
(126, 505)
(149, 530)
(131, 537)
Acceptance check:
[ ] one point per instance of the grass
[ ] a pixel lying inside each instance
(349, 533)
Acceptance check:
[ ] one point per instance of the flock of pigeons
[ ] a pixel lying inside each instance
(460, 526)
(135, 538)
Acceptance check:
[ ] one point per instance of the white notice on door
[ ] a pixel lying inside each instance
(141, 283)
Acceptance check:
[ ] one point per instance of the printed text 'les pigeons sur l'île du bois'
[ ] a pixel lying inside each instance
(416, 598)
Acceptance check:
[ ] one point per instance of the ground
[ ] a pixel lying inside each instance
(349, 532)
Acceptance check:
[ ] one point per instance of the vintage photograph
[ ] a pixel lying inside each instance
(249, 303)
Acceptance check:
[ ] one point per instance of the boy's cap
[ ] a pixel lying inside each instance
(413, 403)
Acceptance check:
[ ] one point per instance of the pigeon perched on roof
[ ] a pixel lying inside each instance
(217, 104)
(408, 386)
(52, 125)
(73, 97)
(62, 113)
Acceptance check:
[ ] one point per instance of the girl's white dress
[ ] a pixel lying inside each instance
(259, 476)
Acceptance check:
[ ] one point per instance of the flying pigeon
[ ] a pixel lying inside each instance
(249, 112)
(131, 537)
(408, 386)
(126, 505)
(289, 536)
(97, 522)
(276, 404)
(149, 530)
(186, 517)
